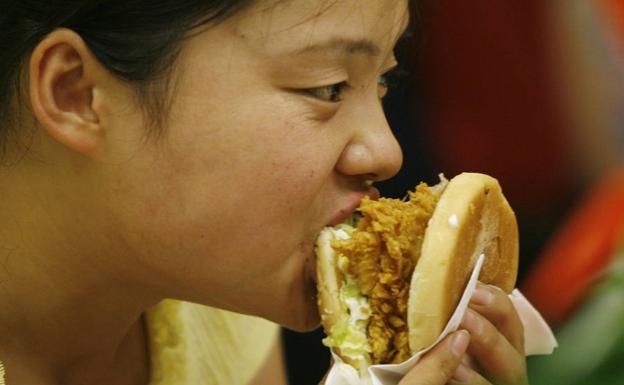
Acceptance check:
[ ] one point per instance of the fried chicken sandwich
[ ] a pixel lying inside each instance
(390, 278)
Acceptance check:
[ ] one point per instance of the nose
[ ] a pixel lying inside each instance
(373, 152)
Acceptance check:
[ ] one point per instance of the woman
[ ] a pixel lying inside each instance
(191, 150)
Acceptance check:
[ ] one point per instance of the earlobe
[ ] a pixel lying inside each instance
(62, 81)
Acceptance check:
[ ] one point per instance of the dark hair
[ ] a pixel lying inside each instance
(137, 40)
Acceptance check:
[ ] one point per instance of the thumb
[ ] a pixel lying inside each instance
(440, 363)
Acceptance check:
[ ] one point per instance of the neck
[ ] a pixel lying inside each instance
(68, 316)
(71, 339)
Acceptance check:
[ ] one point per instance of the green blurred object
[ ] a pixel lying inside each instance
(591, 343)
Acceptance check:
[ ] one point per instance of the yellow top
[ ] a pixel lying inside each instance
(192, 344)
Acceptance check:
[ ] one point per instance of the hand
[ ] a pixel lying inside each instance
(497, 341)
(440, 364)
(493, 339)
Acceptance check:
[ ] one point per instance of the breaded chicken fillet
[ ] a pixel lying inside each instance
(389, 280)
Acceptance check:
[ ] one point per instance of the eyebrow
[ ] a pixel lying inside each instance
(351, 46)
(346, 46)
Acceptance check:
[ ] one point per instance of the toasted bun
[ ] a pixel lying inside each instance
(328, 284)
(330, 280)
(471, 218)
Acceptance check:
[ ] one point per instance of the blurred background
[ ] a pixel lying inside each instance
(532, 93)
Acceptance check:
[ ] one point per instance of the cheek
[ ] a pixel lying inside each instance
(219, 219)
(281, 207)
(215, 202)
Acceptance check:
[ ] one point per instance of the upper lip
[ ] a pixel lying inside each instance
(352, 204)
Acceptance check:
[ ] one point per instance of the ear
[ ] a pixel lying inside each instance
(63, 77)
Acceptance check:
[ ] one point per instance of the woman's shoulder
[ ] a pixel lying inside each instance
(196, 344)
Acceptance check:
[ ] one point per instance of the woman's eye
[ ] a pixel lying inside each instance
(331, 93)
(391, 79)
(383, 83)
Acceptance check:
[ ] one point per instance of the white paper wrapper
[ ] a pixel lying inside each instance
(538, 339)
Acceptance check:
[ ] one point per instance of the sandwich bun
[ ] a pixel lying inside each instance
(461, 219)
(471, 218)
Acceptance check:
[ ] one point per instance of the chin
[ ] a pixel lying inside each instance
(301, 314)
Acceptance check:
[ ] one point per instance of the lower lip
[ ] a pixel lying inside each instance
(372, 193)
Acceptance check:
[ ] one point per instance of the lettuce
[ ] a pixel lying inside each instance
(349, 334)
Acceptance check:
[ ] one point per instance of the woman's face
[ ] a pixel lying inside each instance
(275, 127)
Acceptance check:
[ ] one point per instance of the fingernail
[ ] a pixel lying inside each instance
(459, 344)
(482, 296)
(462, 374)
(472, 322)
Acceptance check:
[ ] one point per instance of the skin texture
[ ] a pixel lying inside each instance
(98, 222)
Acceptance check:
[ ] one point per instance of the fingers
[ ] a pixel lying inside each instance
(465, 375)
(439, 365)
(500, 361)
(492, 303)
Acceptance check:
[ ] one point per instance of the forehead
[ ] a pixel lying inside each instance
(291, 25)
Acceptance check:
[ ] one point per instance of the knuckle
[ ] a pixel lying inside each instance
(503, 303)
(505, 313)
(490, 337)
(510, 366)
(497, 291)
(448, 369)
(447, 366)
(514, 327)
(484, 332)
